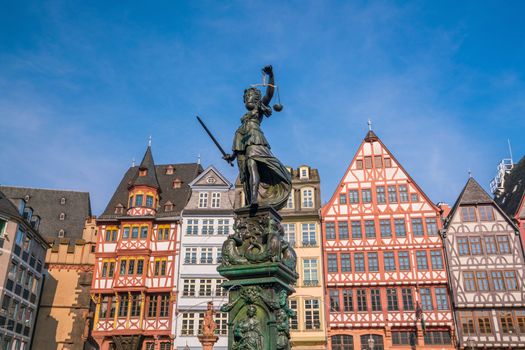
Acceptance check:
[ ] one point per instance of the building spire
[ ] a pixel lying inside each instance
(146, 173)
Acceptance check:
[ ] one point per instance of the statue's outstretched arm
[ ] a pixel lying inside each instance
(270, 88)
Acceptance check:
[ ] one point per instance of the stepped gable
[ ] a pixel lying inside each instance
(514, 189)
(49, 204)
(178, 196)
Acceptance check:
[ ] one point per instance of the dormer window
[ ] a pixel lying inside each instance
(143, 172)
(119, 209)
(304, 173)
(177, 183)
(61, 233)
(62, 201)
(168, 206)
(169, 170)
(62, 216)
(28, 213)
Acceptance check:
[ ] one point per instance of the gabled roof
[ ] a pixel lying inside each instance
(148, 165)
(210, 171)
(512, 197)
(178, 196)
(47, 204)
(474, 194)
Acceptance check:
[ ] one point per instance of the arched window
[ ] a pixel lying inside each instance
(62, 201)
(62, 216)
(61, 233)
(372, 339)
(342, 342)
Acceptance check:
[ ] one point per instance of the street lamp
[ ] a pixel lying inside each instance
(371, 342)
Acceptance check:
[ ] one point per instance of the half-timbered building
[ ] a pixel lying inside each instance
(207, 220)
(134, 285)
(386, 283)
(486, 269)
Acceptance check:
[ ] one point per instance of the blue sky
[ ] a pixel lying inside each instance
(85, 84)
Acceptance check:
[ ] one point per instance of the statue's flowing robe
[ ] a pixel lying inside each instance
(249, 143)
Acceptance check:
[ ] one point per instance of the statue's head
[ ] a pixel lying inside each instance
(252, 98)
(252, 311)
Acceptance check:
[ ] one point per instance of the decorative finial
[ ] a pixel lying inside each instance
(469, 173)
(149, 141)
(369, 125)
(199, 158)
(133, 161)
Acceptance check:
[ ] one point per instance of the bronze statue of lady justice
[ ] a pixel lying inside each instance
(265, 180)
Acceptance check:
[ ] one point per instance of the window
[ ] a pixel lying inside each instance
(510, 280)
(207, 227)
(310, 272)
(483, 320)
(134, 232)
(312, 314)
(105, 269)
(426, 299)
(417, 227)
(421, 258)
(190, 256)
(294, 323)
(414, 197)
(359, 262)
(408, 300)
(221, 318)
(400, 227)
(404, 261)
(475, 246)
(404, 338)
(432, 229)
(482, 281)
(188, 326)
(206, 256)
(441, 298)
(438, 337)
(375, 298)
(131, 266)
(188, 288)
(507, 325)
(160, 267)
(490, 245)
(356, 230)
(130, 204)
(342, 198)
(332, 263)
(216, 200)
(403, 193)
(359, 164)
(289, 233)
(144, 232)
(381, 197)
(163, 233)
(123, 305)
(392, 194)
(193, 227)
(373, 264)
(219, 291)
(149, 201)
(111, 234)
(289, 203)
(520, 319)
(348, 300)
(389, 261)
(497, 280)
(503, 244)
(138, 200)
(224, 227)
(205, 288)
(486, 213)
(353, 196)
(368, 162)
(361, 300)
(125, 233)
(385, 228)
(334, 300)
(366, 195)
(463, 247)
(370, 229)
(378, 161)
(330, 230)
(135, 305)
(392, 301)
(469, 282)
(342, 342)
(346, 265)
(308, 233)
(467, 323)
(468, 214)
(436, 259)
(203, 200)
(303, 173)
(308, 198)
(342, 227)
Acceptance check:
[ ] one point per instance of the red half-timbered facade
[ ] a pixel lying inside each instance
(385, 277)
(135, 279)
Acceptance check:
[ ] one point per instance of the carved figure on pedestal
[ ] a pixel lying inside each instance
(208, 324)
(247, 333)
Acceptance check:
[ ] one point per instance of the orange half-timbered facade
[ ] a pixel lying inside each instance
(385, 277)
(135, 279)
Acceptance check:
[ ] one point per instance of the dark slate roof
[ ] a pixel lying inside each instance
(514, 189)
(8, 208)
(148, 165)
(178, 196)
(47, 205)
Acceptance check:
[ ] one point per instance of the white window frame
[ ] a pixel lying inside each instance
(216, 200)
(308, 197)
(203, 199)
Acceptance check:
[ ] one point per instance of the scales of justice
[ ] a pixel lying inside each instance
(257, 262)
